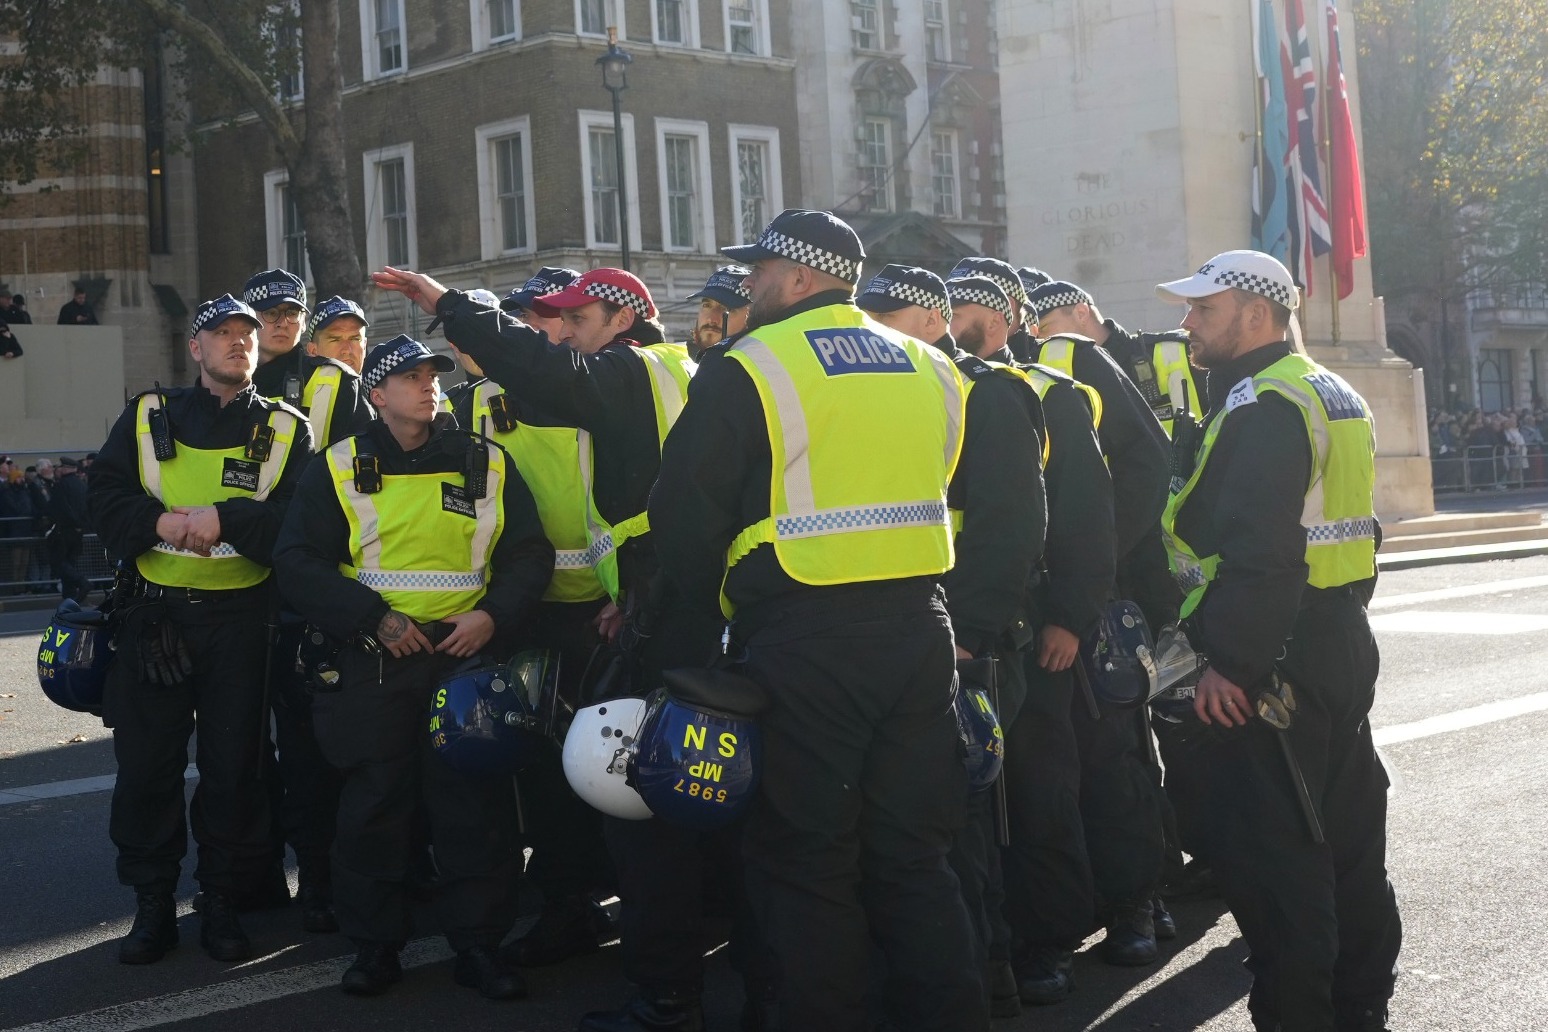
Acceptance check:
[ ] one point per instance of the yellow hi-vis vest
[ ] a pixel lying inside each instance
(198, 476)
(320, 397)
(1174, 381)
(549, 460)
(969, 380)
(420, 542)
(1339, 514)
(865, 429)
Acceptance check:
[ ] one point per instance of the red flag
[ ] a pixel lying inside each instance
(1347, 220)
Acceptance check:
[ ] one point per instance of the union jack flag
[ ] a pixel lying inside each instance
(1311, 234)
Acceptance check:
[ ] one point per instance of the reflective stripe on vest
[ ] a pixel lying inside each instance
(319, 398)
(968, 383)
(196, 476)
(1174, 373)
(1339, 514)
(869, 501)
(549, 460)
(413, 542)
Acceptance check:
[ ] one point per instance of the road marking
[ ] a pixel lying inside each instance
(1488, 713)
(1415, 598)
(1432, 622)
(60, 789)
(226, 996)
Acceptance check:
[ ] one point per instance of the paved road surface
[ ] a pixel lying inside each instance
(1462, 712)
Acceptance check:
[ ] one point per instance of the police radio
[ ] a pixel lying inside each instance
(475, 468)
(162, 443)
(292, 390)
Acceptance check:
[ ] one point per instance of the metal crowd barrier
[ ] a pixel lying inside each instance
(24, 566)
(1490, 467)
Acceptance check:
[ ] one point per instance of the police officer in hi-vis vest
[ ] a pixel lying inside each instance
(413, 547)
(997, 498)
(1272, 534)
(723, 303)
(190, 488)
(804, 491)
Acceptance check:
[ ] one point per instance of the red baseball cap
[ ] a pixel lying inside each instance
(615, 285)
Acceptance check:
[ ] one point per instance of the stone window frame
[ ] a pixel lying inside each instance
(690, 38)
(369, 69)
(485, 136)
(478, 13)
(760, 11)
(769, 136)
(945, 28)
(376, 230)
(705, 216)
(612, 13)
(955, 151)
(275, 181)
(588, 120)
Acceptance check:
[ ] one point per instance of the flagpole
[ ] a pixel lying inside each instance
(1327, 149)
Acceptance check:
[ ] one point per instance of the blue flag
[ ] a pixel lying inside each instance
(1270, 228)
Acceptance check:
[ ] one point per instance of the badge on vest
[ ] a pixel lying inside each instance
(240, 474)
(455, 499)
(843, 351)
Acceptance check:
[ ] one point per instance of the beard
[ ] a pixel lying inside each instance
(971, 339)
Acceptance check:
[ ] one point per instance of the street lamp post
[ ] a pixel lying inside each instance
(615, 79)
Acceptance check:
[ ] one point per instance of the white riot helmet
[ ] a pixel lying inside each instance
(596, 757)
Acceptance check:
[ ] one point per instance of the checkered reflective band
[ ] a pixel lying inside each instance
(863, 517)
(619, 296)
(979, 296)
(1355, 528)
(420, 580)
(1012, 285)
(220, 551)
(1062, 299)
(379, 372)
(810, 254)
(1188, 576)
(1251, 281)
(911, 294)
(274, 288)
(330, 310)
(572, 558)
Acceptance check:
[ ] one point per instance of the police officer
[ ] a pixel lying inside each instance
(550, 279)
(723, 303)
(191, 486)
(1273, 534)
(998, 491)
(414, 547)
(826, 545)
(69, 518)
(1023, 336)
(1049, 893)
(611, 376)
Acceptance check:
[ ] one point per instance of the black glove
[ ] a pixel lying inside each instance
(164, 658)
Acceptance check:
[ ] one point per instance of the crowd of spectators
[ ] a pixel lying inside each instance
(42, 523)
(1476, 450)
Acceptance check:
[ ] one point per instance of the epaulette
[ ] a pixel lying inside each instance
(165, 392)
(1153, 337)
(972, 366)
(1076, 337)
(275, 405)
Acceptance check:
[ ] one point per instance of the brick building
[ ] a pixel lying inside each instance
(899, 104)
(481, 145)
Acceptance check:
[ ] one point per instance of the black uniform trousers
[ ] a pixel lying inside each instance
(863, 787)
(1120, 806)
(375, 732)
(1047, 872)
(223, 700)
(310, 786)
(1321, 921)
(64, 560)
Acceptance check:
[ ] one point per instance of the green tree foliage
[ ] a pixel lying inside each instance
(1454, 99)
(232, 54)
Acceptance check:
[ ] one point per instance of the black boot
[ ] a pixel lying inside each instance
(1131, 935)
(650, 1011)
(316, 896)
(1166, 928)
(154, 931)
(1360, 1019)
(1004, 993)
(1047, 977)
(565, 928)
(375, 968)
(480, 967)
(220, 933)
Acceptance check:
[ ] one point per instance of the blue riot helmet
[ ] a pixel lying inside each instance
(983, 739)
(73, 657)
(699, 750)
(1119, 656)
(481, 723)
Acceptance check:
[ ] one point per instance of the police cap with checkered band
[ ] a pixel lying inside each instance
(725, 287)
(272, 288)
(1058, 294)
(1252, 271)
(979, 290)
(613, 285)
(399, 355)
(211, 314)
(547, 280)
(898, 286)
(818, 239)
(334, 308)
(1002, 273)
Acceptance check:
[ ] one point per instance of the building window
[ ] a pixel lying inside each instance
(943, 174)
(381, 38)
(389, 205)
(285, 236)
(687, 211)
(675, 22)
(494, 21)
(593, 17)
(756, 194)
(507, 219)
(865, 24)
(599, 173)
(287, 50)
(876, 164)
(937, 43)
(745, 21)
(156, 158)
(1496, 386)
